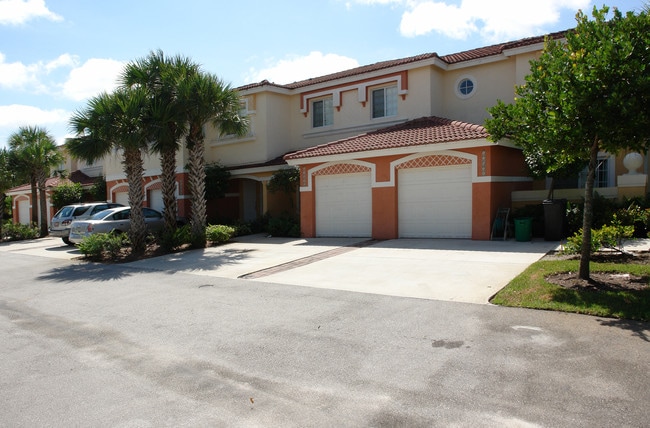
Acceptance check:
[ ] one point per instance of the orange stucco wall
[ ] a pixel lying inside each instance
(498, 171)
(384, 212)
(183, 201)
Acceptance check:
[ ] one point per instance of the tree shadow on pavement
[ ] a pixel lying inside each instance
(637, 328)
(86, 272)
(205, 259)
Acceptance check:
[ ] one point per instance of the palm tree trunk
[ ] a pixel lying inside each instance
(196, 179)
(32, 182)
(587, 219)
(41, 179)
(3, 198)
(134, 168)
(168, 166)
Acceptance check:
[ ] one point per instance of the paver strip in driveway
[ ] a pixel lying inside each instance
(307, 260)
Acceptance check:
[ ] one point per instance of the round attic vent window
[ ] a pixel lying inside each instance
(465, 87)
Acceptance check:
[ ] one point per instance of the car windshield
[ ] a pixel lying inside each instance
(80, 210)
(64, 212)
(101, 215)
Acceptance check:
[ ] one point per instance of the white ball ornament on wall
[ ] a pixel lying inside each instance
(633, 161)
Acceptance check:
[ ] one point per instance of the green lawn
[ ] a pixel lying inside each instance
(531, 290)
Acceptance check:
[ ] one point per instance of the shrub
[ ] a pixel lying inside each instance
(636, 216)
(18, 232)
(284, 225)
(179, 237)
(66, 194)
(98, 245)
(611, 236)
(242, 229)
(219, 234)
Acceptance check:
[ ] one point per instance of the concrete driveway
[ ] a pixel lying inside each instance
(440, 269)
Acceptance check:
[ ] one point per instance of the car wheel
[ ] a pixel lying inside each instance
(67, 241)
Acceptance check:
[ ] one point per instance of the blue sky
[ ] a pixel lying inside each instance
(55, 54)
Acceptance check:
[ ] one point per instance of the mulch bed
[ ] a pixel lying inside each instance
(604, 281)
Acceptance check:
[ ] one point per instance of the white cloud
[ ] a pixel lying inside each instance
(94, 76)
(65, 60)
(301, 67)
(494, 20)
(16, 115)
(16, 12)
(449, 20)
(82, 81)
(19, 76)
(16, 74)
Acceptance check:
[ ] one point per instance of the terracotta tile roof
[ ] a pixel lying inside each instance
(278, 161)
(75, 177)
(454, 58)
(81, 178)
(417, 132)
(498, 48)
(361, 70)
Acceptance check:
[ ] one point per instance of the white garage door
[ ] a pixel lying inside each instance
(122, 198)
(343, 205)
(156, 200)
(435, 202)
(23, 212)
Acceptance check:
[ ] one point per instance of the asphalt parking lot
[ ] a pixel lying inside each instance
(172, 344)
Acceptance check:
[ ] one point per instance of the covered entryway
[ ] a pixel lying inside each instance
(344, 205)
(435, 202)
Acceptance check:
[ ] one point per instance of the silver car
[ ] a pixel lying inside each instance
(114, 220)
(60, 224)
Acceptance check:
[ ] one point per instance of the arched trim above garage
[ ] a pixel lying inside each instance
(330, 168)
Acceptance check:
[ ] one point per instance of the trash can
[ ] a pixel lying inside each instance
(523, 229)
(554, 219)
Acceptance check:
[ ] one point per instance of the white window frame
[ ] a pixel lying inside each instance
(243, 112)
(327, 115)
(603, 159)
(387, 112)
(459, 82)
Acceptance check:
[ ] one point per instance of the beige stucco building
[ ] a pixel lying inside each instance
(384, 150)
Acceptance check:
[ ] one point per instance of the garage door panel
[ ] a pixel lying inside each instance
(435, 202)
(122, 198)
(343, 205)
(156, 200)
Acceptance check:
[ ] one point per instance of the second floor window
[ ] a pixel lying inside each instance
(322, 113)
(384, 102)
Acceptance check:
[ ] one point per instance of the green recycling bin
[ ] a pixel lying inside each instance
(523, 229)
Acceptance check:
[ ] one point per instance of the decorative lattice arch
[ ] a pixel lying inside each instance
(120, 189)
(156, 185)
(342, 168)
(434, 160)
(339, 168)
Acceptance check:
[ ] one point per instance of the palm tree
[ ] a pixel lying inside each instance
(37, 153)
(7, 181)
(117, 121)
(207, 100)
(161, 77)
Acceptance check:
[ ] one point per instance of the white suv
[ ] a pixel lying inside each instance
(60, 225)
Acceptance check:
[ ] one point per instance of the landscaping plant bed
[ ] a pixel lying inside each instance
(604, 281)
